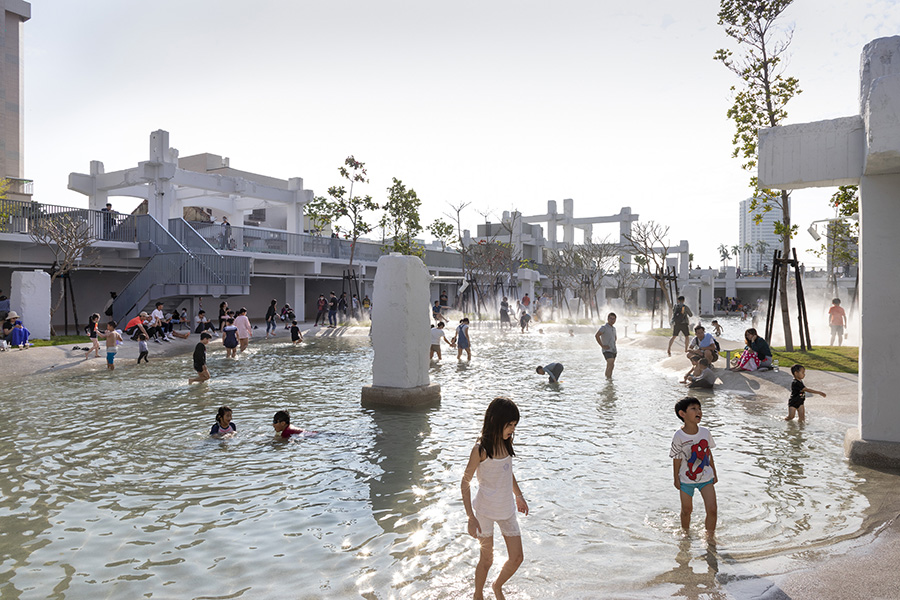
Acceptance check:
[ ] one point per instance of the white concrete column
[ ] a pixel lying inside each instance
(879, 407)
(730, 282)
(691, 295)
(295, 295)
(707, 292)
(568, 227)
(551, 223)
(29, 296)
(97, 199)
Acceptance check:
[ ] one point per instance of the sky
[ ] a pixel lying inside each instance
(501, 104)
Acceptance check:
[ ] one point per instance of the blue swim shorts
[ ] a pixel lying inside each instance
(688, 488)
(110, 356)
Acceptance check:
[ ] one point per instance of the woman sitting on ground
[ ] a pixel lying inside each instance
(756, 355)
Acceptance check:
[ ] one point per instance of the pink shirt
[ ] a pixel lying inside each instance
(243, 325)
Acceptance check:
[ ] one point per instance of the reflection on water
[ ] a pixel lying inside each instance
(111, 486)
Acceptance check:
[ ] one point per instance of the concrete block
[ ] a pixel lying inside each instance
(869, 453)
(423, 396)
(820, 154)
(30, 297)
(882, 120)
(401, 320)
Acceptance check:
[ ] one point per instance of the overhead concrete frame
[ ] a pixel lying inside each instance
(169, 189)
(860, 150)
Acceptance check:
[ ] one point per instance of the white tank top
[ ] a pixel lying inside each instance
(494, 499)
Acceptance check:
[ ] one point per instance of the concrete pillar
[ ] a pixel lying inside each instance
(879, 409)
(295, 295)
(730, 282)
(685, 262)
(527, 278)
(551, 223)
(707, 292)
(29, 296)
(400, 335)
(568, 227)
(642, 297)
(691, 295)
(97, 199)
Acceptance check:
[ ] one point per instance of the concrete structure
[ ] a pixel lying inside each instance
(860, 150)
(750, 232)
(12, 110)
(400, 335)
(30, 298)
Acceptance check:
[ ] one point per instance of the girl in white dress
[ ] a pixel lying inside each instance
(498, 495)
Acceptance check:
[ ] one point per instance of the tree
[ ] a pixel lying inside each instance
(69, 239)
(735, 252)
(842, 236)
(402, 219)
(443, 232)
(761, 246)
(647, 243)
(724, 254)
(760, 103)
(340, 205)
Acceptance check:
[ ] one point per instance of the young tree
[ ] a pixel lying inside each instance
(70, 240)
(765, 91)
(341, 206)
(724, 254)
(401, 218)
(443, 232)
(648, 244)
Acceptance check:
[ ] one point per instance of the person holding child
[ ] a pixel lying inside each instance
(692, 464)
(798, 394)
(498, 497)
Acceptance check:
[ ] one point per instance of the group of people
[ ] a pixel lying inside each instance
(526, 310)
(333, 305)
(225, 427)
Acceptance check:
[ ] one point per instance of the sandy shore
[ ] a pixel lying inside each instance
(863, 569)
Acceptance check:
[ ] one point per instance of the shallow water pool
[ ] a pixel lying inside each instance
(112, 489)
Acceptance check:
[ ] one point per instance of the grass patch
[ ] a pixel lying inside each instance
(62, 340)
(659, 331)
(842, 359)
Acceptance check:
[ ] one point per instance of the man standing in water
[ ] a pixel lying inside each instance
(606, 337)
(681, 315)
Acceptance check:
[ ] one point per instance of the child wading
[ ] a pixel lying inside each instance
(498, 495)
(693, 465)
(798, 394)
(224, 426)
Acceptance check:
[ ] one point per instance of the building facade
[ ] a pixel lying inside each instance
(757, 241)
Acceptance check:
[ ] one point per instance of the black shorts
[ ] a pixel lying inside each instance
(199, 368)
(700, 383)
(608, 355)
(681, 328)
(795, 402)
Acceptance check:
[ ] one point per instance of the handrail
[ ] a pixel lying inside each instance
(188, 236)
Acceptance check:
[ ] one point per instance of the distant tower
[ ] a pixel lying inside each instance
(12, 108)
(751, 233)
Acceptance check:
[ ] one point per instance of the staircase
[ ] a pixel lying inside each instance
(180, 266)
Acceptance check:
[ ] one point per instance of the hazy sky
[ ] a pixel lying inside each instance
(504, 104)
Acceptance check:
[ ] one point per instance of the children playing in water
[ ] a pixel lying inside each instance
(112, 340)
(230, 339)
(143, 350)
(798, 394)
(224, 426)
(462, 340)
(717, 329)
(693, 465)
(701, 376)
(553, 371)
(498, 495)
(200, 359)
(282, 424)
(437, 334)
(93, 329)
(296, 336)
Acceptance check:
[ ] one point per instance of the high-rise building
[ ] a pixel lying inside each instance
(751, 233)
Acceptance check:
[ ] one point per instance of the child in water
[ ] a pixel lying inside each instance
(223, 426)
(282, 424)
(693, 465)
(93, 329)
(230, 340)
(498, 495)
(296, 336)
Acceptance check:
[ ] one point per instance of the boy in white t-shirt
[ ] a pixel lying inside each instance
(693, 465)
(437, 334)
